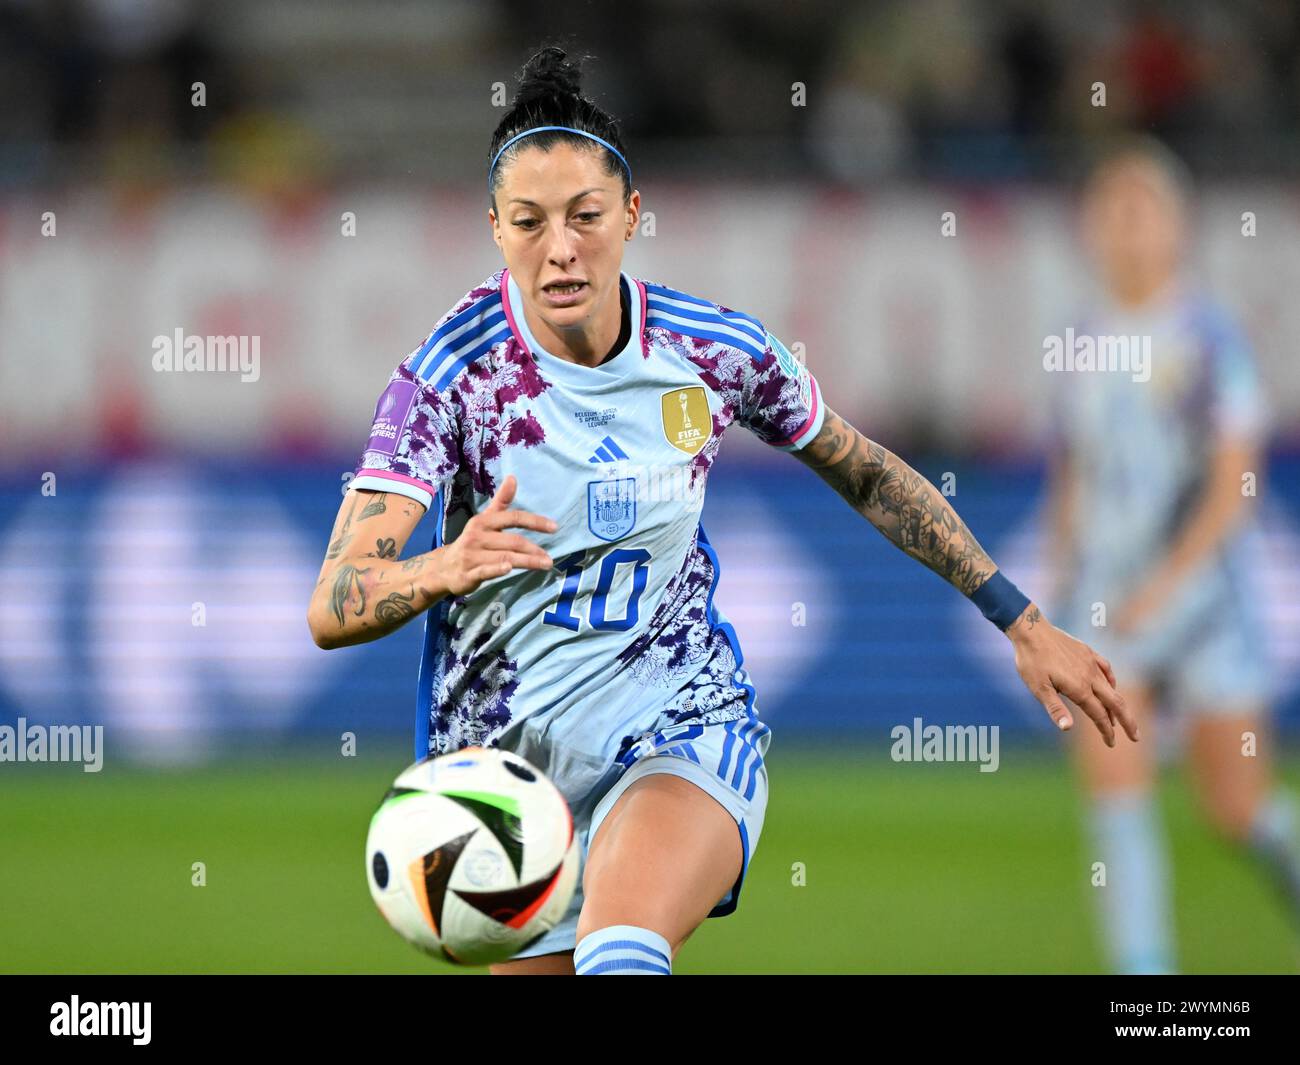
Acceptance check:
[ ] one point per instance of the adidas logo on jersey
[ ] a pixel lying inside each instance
(608, 451)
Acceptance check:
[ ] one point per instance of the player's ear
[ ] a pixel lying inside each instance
(633, 212)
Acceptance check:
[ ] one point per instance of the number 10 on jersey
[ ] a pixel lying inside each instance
(572, 566)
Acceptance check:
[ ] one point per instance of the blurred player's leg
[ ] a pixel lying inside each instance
(1125, 834)
(1240, 798)
(662, 858)
(1230, 783)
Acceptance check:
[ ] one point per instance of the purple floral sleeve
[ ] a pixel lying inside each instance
(412, 449)
(780, 401)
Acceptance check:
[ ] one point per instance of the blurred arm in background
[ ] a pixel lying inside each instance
(1221, 505)
(1060, 522)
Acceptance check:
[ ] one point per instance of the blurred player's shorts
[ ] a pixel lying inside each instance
(725, 760)
(1206, 649)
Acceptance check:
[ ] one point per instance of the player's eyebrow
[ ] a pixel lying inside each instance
(576, 196)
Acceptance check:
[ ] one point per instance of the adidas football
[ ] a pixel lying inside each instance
(472, 856)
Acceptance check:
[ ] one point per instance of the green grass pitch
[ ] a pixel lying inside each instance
(932, 868)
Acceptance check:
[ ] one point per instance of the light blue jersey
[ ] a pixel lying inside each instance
(1139, 437)
(579, 666)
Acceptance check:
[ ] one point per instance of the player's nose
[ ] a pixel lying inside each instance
(561, 248)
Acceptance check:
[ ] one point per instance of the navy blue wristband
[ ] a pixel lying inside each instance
(1000, 601)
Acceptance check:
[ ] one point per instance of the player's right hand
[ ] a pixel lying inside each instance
(484, 550)
(1052, 663)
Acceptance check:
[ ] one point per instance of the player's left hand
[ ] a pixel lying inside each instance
(1053, 663)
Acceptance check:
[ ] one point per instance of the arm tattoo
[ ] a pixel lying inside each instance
(412, 564)
(375, 506)
(386, 548)
(395, 609)
(1030, 618)
(906, 508)
(345, 537)
(347, 579)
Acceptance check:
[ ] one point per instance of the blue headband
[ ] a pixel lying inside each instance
(568, 129)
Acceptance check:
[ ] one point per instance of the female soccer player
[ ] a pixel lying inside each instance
(1150, 524)
(564, 398)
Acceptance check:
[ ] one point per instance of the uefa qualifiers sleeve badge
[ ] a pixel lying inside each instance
(688, 424)
(391, 412)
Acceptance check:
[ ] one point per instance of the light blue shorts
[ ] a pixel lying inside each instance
(725, 760)
(1205, 649)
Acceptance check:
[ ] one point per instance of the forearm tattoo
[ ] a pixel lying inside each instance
(375, 506)
(906, 508)
(352, 590)
(347, 585)
(395, 609)
(345, 535)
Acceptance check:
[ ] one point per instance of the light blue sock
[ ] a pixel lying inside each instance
(1135, 901)
(623, 950)
(1273, 838)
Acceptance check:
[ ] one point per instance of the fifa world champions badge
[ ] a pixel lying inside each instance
(687, 421)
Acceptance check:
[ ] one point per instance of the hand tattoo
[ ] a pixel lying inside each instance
(1031, 617)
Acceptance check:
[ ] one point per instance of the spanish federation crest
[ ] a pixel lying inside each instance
(688, 424)
(611, 507)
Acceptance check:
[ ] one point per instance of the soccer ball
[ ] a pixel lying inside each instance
(472, 855)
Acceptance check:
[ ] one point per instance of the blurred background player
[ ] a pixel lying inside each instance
(1152, 534)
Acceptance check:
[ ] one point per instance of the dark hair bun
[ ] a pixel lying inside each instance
(549, 73)
(550, 94)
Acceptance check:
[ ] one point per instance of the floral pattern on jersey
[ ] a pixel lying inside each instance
(771, 397)
(473, 699)
(458, 432)
(491, 396)
(683, 652)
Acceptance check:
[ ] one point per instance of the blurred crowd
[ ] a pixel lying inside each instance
(306, 91)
